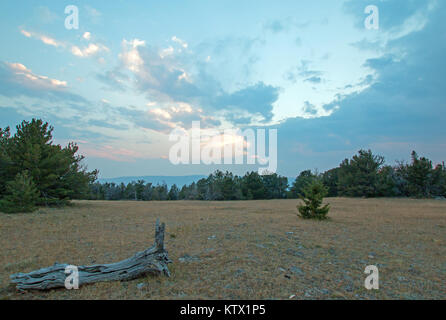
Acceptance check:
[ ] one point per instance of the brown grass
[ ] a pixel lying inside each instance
(251, 255)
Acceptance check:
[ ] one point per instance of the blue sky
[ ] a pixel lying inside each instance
(135, 70)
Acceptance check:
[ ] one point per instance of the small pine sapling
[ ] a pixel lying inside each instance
(313, 196)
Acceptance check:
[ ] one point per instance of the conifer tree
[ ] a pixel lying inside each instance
(358, 177)
(21, 195)
(313, 196)
(57, 172)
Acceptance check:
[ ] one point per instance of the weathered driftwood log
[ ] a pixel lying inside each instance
(153, 260)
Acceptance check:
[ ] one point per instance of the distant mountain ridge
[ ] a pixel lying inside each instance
(169, 180)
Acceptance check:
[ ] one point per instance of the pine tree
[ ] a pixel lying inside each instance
(416, 179)
(5, 161)
(420, 176)
(313, 197)
(57, 172)
(302, 180)
(358, 177)
(252, 186)
(21, 195)
(275, 185)
(173, 193)
(439, 180)
(387, 182)
(330, 178)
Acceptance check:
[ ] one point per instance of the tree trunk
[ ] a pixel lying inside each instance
(153, 260)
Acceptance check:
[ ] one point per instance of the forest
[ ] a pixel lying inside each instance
(364, 175)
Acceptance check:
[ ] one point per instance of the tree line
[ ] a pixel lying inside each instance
(364, 175)
(217, 186)
(36, 172)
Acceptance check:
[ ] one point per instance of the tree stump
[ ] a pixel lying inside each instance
(153, 260)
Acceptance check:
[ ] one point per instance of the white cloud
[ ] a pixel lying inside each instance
(130, 56)
(166, 52)
(183, 107)
(44, 38)
(26, 33)
(27, 78)
(180, 42)
(49, 41)
(90, 50)
(173, 115)
(161, 113)
(87, 36)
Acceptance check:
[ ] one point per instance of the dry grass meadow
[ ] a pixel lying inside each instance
(238, 250)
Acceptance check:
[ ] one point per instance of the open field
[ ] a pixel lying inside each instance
(238, 250)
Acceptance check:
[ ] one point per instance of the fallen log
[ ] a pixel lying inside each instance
(153, 260)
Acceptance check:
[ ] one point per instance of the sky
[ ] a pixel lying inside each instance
(134, 71)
